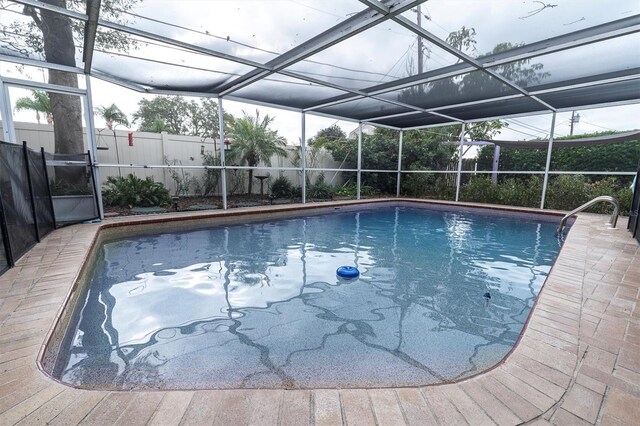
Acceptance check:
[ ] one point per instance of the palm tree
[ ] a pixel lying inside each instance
(39, 103)
(253, 142)
(112, 114)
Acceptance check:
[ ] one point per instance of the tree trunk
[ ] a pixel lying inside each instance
(250, 181)
(66, 109)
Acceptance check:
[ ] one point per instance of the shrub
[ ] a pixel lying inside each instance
(625, 196)
(517, 192)
(416, 184)
(282, 187)
(346, 191)
(368, 191)
(613, 187)
(131, 191)
(236, 181)
(480, 189)
(566, 192)
(320, 189)
(211, 176)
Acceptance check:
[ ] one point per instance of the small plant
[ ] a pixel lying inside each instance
(237, 181)
(320, 189)
(182, 179)
(282, 187)
(346, 191)
(211, 176)
(131, 191)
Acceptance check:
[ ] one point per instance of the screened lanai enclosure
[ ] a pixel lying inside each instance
(397, 64)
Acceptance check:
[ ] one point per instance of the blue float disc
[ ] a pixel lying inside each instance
(347, 272)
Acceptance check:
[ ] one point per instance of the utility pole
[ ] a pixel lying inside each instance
(575, 118)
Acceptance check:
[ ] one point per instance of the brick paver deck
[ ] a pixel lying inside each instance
(578, 361)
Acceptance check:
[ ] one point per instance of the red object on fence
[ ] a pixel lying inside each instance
(130, 138)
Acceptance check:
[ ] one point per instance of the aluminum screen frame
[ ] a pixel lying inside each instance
(372, 14)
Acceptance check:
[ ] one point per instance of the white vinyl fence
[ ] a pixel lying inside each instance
(159, 149)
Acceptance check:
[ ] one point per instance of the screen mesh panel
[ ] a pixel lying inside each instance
(380, 54)
(413, 120)
(39, 184)
(19, 38)
(250, 29)
(4, 260)
(363, 109)
(574, 65)
(284, 90)
(163, 66)
(16, 200)
(505, 108)
(73, 202)
(495, 25)
(611, 92)
(468, 87)
(634, 217)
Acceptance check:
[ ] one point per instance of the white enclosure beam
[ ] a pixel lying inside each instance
(303, 158)
(92, 142)
(495, 164)
(9, 132)
(55, 88)
(548, 165)
(359, 179)
(459, 177)
(223, 172)
(399, 163)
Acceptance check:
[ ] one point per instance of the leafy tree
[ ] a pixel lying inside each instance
(54, 37)
(254, 141)
(38, 102)
(176, 115)
(331, 133)
(422, 150)
(171, 110)
(112, 114)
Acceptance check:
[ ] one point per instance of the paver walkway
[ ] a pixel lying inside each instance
(578, 361)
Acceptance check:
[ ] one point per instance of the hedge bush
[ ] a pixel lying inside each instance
(131, 191)
(564, 192)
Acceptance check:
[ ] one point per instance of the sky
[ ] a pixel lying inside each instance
(259, 30)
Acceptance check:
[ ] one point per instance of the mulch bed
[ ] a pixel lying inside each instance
(203, 203)
(233, 201)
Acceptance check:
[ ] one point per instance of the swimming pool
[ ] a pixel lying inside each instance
(442, 295)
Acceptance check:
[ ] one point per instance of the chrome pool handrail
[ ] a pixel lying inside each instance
(614, 216)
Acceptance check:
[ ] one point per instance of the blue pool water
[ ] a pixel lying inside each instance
(260, 305)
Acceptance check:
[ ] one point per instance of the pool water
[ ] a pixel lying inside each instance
(441, 296)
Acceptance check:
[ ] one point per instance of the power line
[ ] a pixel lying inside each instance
(529, 126)
(596, 125)
(524, 133)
